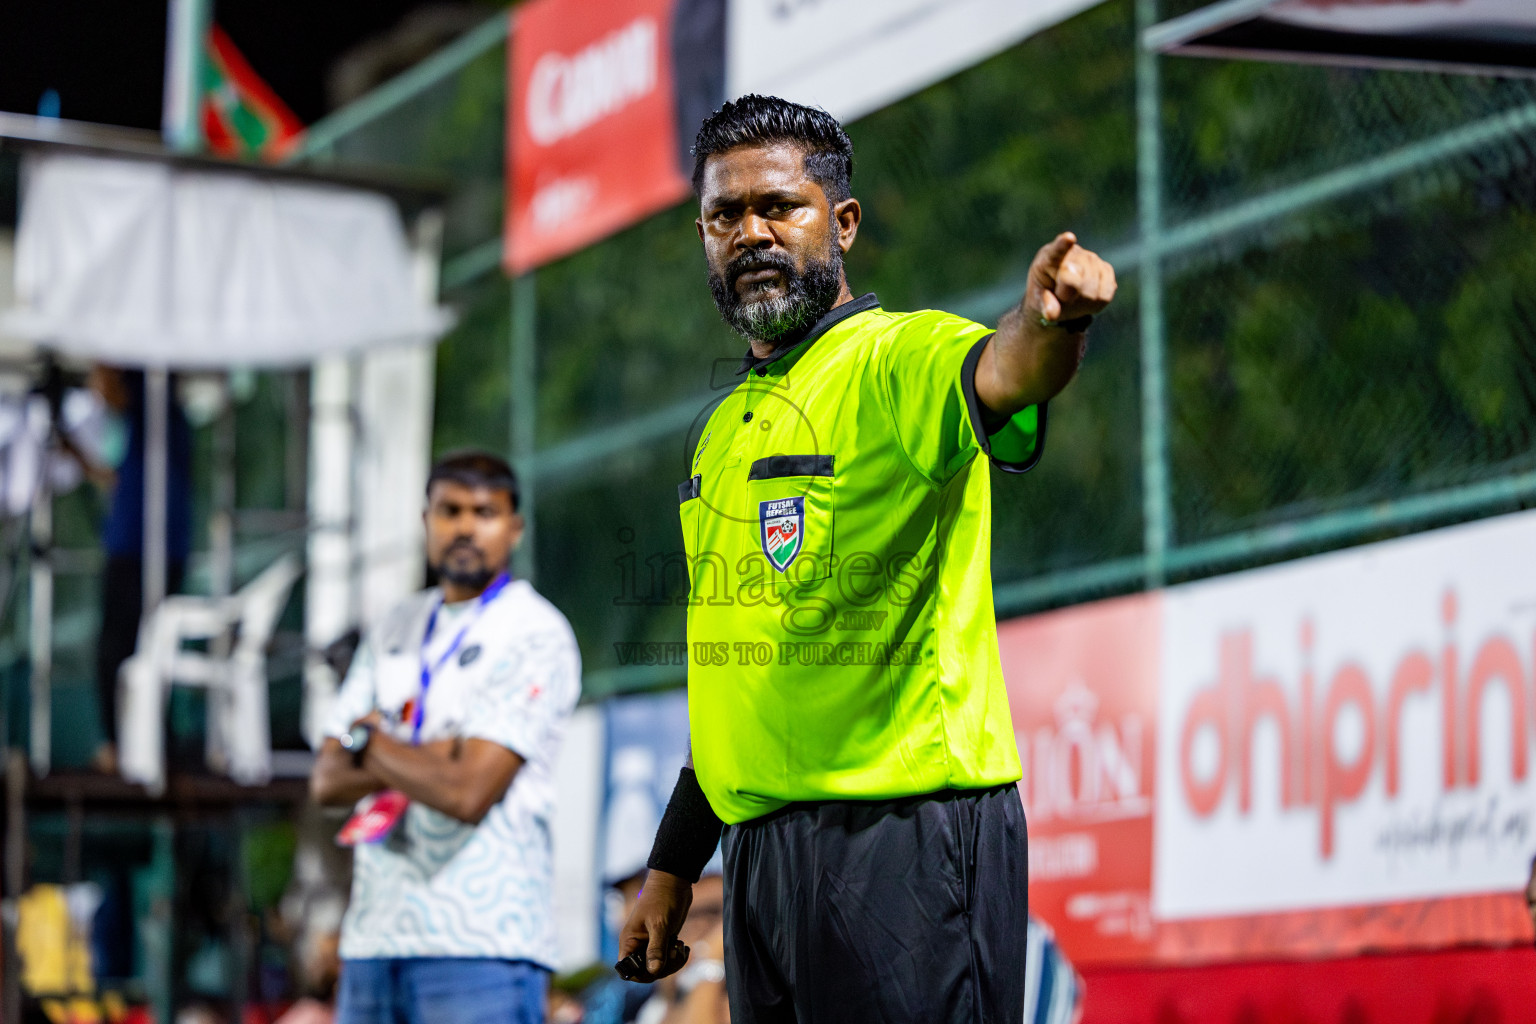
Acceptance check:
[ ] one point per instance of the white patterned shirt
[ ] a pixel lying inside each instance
(438, 887)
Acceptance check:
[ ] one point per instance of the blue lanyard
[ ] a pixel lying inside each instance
(428, 670)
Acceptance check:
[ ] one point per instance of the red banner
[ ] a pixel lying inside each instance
(1468, 986)
(593, 142)
(1082, 687)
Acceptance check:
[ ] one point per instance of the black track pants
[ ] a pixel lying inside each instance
(910, 911)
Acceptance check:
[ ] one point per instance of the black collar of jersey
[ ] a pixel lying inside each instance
(833, 316)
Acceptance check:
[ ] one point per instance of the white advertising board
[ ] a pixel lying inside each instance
(1349, 729)
(855, 56)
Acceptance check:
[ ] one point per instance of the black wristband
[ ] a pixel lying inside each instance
(689, 831)
(1077, 325)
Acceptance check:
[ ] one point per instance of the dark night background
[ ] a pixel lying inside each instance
(107, 57)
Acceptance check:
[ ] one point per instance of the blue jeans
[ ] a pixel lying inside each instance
(441, 990)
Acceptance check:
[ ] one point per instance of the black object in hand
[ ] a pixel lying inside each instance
(632, 967)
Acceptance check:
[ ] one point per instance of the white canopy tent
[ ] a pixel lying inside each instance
(1479, 37)
(140, 257)
(152, 264)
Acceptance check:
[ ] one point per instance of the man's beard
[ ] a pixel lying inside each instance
(472, 576)
(469, 579)
(786, 318)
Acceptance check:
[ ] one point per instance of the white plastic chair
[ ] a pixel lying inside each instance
(239, 732)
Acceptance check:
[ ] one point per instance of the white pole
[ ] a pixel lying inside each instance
(394, 453)
(185, 31)
(329, 607)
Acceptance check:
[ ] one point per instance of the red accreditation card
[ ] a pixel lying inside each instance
(375, 819)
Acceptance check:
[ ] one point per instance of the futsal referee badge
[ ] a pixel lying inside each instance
(783, 529)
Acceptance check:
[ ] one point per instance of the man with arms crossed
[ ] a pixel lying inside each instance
(454, 709)
(849, 723)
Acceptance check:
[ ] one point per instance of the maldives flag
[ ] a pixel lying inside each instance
(242, 116)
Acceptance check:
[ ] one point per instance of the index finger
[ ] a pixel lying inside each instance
(1054, 252)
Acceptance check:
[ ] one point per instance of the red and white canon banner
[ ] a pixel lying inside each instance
(1342, 753)
(592, 145)
(605, 99)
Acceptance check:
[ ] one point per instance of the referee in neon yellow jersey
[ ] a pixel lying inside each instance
(849, 723)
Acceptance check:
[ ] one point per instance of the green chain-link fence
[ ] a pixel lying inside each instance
(1325, 332)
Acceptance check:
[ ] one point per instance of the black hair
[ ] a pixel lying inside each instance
(757, 120)
(475, 468)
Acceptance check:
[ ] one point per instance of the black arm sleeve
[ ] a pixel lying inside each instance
(689, 831)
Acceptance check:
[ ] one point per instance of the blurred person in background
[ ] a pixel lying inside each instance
(862, 760)
(309, 916)
(1053, 990)
(1530, 894)
(200, 1013)
(122, 582)
(609, 1000)
(695, 995)
(445, 734)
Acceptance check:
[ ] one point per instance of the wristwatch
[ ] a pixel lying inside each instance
(699, 972)
(355, 742)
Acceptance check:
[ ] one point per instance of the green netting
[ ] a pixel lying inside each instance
(624, 327)
(473, 406)
(452, 130)
(1236, 129)
(962, 182)
(1386, 349)
(610, 554)
(1081, 506)
(1343, 306)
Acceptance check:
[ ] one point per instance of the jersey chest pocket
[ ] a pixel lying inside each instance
(789, 528)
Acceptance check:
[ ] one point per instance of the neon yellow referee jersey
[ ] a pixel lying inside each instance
(842, 641)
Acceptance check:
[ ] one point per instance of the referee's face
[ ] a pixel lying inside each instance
(471, 532)
(765, 222)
